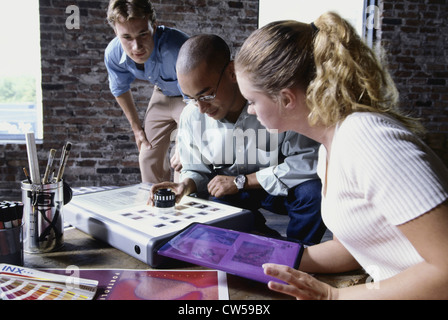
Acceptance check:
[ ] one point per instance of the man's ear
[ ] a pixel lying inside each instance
(152, 26)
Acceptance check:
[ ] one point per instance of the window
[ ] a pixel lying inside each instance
(308, 11)
(20, 72)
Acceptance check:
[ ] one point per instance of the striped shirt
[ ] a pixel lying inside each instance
(379, 176)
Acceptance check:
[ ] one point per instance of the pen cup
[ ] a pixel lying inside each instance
(43, 216)
(11, 245)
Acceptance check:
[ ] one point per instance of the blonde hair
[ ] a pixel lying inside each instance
(339, 72)
(124, 10)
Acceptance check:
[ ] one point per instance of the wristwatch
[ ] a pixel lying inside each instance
(239, 181)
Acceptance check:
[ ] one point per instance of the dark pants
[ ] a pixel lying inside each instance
(302, 205)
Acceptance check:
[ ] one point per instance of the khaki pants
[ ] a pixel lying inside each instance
(160, 124)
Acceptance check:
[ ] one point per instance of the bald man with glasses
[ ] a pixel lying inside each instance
(228, 155)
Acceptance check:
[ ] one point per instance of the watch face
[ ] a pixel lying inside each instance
(239, 181)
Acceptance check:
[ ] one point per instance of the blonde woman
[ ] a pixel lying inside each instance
(384, 191)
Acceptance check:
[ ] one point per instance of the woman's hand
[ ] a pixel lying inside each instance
(300, 285)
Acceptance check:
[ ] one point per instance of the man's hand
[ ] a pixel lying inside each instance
(177, 188)
(175, 161)
(140, 139)
(221, 186)
(180, 189)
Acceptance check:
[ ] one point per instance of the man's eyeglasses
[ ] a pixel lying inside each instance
(207, 98)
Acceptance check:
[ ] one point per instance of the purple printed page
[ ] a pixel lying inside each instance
(235, 252)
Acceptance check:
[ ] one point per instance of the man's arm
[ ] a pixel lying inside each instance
(298, 166)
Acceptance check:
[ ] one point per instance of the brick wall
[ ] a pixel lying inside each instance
(415, 34)
(78, 106)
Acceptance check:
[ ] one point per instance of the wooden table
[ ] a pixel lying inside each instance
(85, 252)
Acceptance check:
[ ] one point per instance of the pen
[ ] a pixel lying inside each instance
(52, 174)
(49, 165)
(27, 176)
(32, 157)
(64, 157)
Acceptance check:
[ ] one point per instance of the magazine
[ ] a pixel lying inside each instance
(138, 284)
(18, 283)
